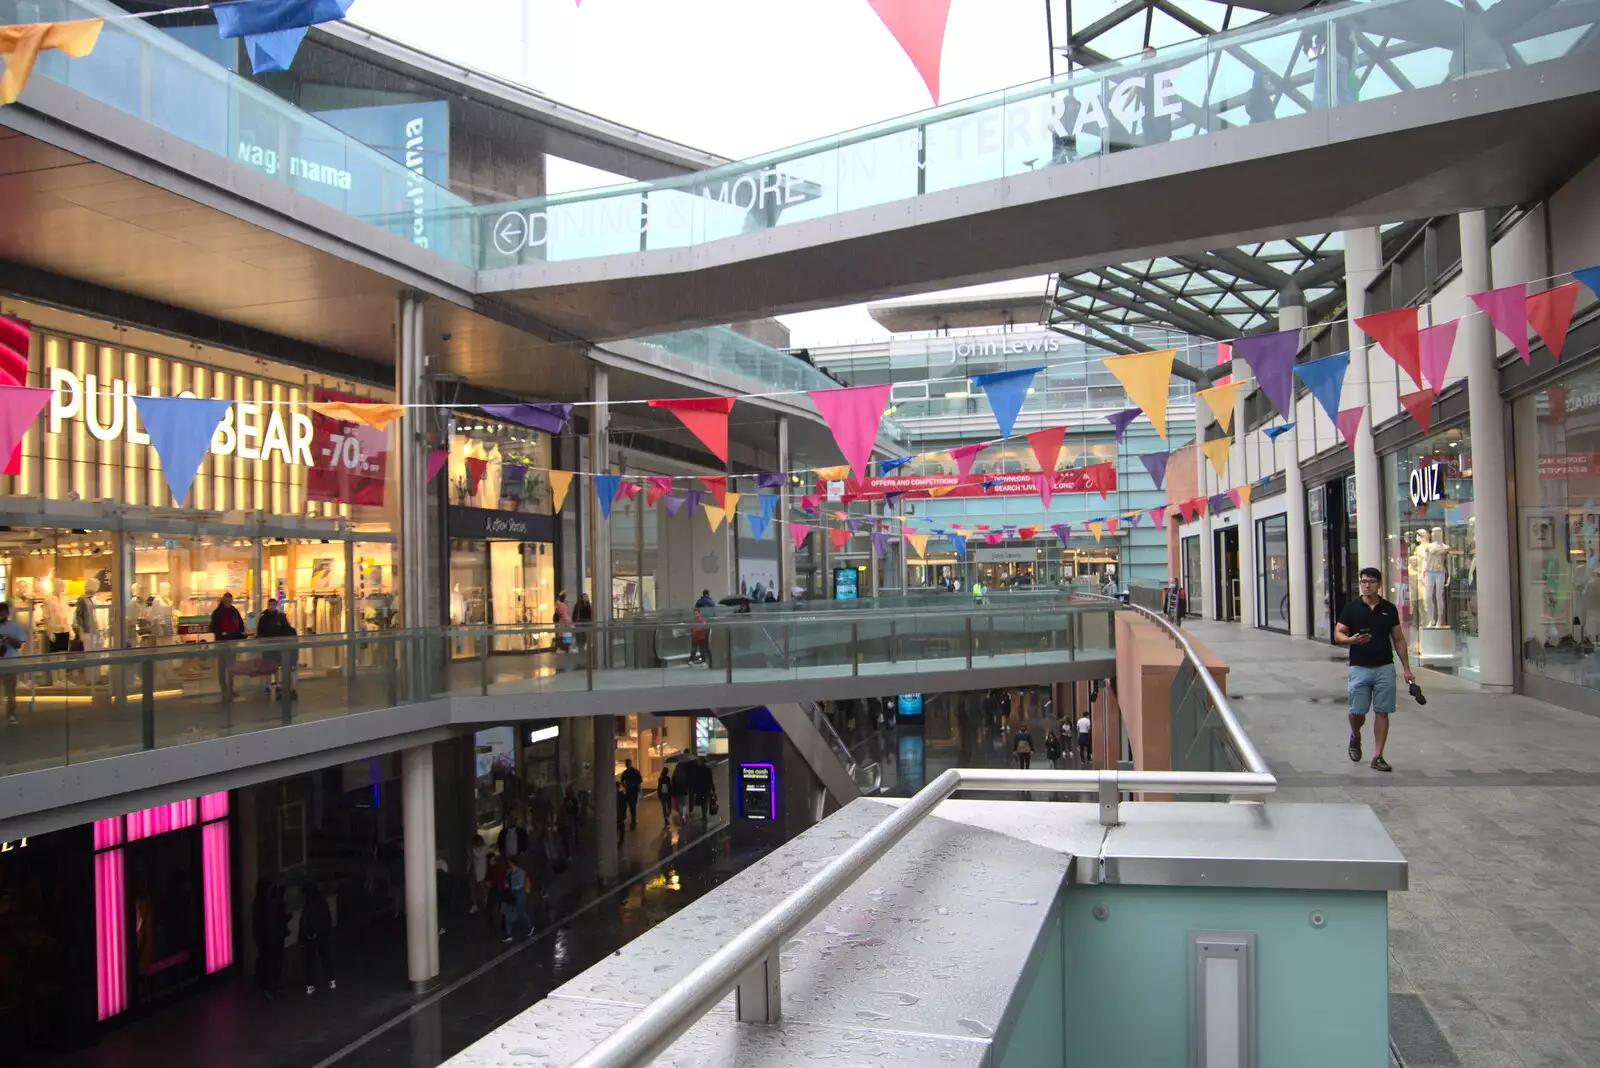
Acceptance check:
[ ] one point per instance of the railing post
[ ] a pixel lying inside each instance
(287, 661)
(483, 669)
(855, 648)
(596, 635)
(969, 641)
(1110, 797)
(727, 655)
(148, 703)
(894, 643)
(759, 996)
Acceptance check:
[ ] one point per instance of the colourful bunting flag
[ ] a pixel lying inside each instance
(560, 482)
(1186, 508)
(1218, 502)
(673, 504)
(1097, 527)
(853, 414)
(1147, 377)
(993, 537)
(1349, 422)
(1550, 315)
(1420, 405)
(918, 26)
(880, 543)
(437, 458)
(885, 466)
(550, 418)
(658, 486)
(1396, 333)
(1159, 515)
(810, 502)
(919, 543)
(1132, 519)
(768, 503)
(20, 47)
(1220, 400)
(1156, 464)
(1006, 391)
(19, 407)
(1200, 504)
(15, 338)
(1325, 379)
(1119, 421)
(1434, 344)
(839, 536)
(274, 51)
(1216, 451)
(798, 532)
(605, 491)
(180, 431)
(1276, 432)
(692, 498)
(834, 474)
(1271, 357)
(1046, 446)
(714, 515)
(1044, 483)
(730, 501)
(718, 485)
(1063, 532)
(958, 542)
(245, 18)
(771, 480)
(1111, 524)
(1507, 309)
(964, 456)
(1025, 533)
(1589, 276)
(627, 491)
(758, 525)
(477, 467)
(377, 416)
(706, 418)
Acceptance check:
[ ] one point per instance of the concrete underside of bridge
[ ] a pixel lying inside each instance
(1487, 141)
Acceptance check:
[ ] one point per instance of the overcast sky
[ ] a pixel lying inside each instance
(734, 77)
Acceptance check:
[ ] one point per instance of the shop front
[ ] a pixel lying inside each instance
(1430, 550)
(1331, 543)
(1557, 465)
(1274, 600)
(1225, 570)
(95, 553)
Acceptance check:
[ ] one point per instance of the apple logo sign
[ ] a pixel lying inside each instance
(711, 563)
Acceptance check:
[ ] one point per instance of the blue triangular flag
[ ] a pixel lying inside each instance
(1275, 432)
(605, 489)
(274, 51)
(959, 543)
(1006, 391)
(249, 18)
(758, 525)
(1589, 276)
(768, 502)
(1325, 379)
(885, 466)
(180, 430)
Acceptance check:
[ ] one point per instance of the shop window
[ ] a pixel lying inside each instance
(1272, 577)
(499, 466)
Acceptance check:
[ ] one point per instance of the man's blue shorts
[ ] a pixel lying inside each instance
(1372, 689)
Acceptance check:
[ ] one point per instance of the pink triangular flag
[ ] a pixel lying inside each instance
(437, 458)
(810, 501)
(1350, 422)
(1160, 516)
(1507, 309)
(1233, 495)
(19, 407)
(919, 27)
(627, 491)
(798, 533)
(1550, 314)
(659, 486)
(854, 414)
(964, 455)
(993, 538)
(1420, 405)
(1435, 343)
(1045, 482)
(1111, 524)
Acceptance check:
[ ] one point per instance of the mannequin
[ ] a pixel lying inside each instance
(1402, 582)
(160, 613)
(57, 615)
(1435, 562)
(1414, 570)
(86, 621)
(1590, 608)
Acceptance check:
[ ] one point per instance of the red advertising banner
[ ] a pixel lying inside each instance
(1570, 465)
(349, 460)
(1096, 478)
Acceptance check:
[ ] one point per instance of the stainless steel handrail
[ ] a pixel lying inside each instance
(749, 963)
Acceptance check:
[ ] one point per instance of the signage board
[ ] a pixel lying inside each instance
(845, 584)
(1426, 485)
(350, 458)
(486, 524)
(1007, 555)
(1570, 465)
(758, 793)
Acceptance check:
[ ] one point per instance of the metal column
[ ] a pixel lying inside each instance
(422, 904)
(1363, 259)
(599, 463)
(410, 370)
(1247, 527)
(1210, 599)
(604, 789)
(1292, 316)
(786, 580)
(1490, 492)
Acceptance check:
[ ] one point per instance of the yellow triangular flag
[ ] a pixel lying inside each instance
(918, 542)
(1244, 495)
(1098, 527)
(730, 501)
(1220, 400)
(1147, 376)
(560, 482)
(1216, 451)
(21, 45)
(714, 515)
(833, 474)
(939, 491)
(372, 414)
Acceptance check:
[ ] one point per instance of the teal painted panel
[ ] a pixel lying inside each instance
(1322, 994)
(1033, 1032)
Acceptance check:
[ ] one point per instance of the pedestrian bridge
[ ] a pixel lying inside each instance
(149, 721)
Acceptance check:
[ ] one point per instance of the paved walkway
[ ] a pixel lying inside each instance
(1495, 801)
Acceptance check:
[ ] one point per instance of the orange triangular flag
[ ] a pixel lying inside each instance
(1046, 445)
(373, 414)
(918, 542)
(714, 515)
(20, 47)
(730, 501)
(1220, 400)
(833, 474)
(560, 482)
(1216, 451)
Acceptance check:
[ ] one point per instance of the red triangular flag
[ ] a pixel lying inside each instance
(1046, 445)
(1186, 509)
(1111, 524)
(1420, 405)
(706, 418)
(1550, 314)
(1349, 422)
(718, 485)
(659, 487)
(840, 535)
(476, 466)
(1396, 333)
(1200, 506)
(919, 27)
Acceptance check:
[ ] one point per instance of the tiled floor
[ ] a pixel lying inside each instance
(1495, 800)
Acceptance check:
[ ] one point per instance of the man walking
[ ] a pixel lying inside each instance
(1370, 626)
(632, 783)
(12, 638)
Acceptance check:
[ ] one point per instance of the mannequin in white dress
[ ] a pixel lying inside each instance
(1435, 575)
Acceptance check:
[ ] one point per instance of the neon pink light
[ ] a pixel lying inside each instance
(214, 806)
(108, 832)
(110, 951)
(161, 819)
(218, 894)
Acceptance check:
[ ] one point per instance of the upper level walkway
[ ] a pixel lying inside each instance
(99, 725)
(1335, 117)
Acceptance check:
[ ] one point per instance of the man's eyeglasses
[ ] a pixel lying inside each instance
(1365, 581)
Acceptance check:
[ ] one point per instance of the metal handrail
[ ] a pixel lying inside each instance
(749, 963)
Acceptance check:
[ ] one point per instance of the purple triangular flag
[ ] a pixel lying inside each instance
(550, 418)
(880, 543)
(1132, 519)
(1271, 359)
(1120, 420)
(1156, 464)
(674, 504)
(693, 497)
(770, 480)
